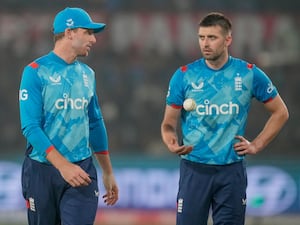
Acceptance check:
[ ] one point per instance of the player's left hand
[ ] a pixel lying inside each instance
(244, 147)
(112, 192)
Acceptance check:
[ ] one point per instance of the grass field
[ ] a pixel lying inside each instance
(129, 217)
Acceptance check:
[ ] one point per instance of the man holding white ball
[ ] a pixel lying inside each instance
(212, 96)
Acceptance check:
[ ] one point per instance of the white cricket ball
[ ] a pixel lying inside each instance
(189, 104)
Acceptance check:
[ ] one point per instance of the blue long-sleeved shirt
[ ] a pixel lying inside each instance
(59, 107)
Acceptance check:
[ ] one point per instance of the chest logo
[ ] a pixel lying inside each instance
(85, 80)
(55, 80)
(198, 87)
(238, 83)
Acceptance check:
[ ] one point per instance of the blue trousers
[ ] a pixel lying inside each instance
(221, 189)
(52, 201)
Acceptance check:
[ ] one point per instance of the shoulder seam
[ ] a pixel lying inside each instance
(33, 65)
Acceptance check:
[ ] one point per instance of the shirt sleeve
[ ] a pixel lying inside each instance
(98, 134)
(175, 96)
(264, 90)
(31, 106)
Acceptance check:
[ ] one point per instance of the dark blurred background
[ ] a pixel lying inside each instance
(144, 43)
(134, 58)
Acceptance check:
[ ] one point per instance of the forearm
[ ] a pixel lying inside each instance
(169, 127)
(112, 192)
(168, 133)
(56, 159)
(37, 138)
(105, 163)
(270, 130)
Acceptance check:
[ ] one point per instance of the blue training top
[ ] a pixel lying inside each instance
(223, 98)
(59, 107)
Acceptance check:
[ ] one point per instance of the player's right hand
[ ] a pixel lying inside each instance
(74, 175)
(180, 149)
(171, 142)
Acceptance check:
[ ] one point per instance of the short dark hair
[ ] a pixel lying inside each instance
(214, 19)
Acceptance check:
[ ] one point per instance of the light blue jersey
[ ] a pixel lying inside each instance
(59, 107)
(223, 99)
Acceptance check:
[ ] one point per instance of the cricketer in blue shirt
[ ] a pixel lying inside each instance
(211, 140)
(62, 122)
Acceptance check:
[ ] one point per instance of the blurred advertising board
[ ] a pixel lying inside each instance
(273, 189)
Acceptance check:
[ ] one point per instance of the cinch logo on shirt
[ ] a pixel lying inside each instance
(214, 109)
(70, 103)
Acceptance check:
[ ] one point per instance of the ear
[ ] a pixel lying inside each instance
(68, 33)
(228, 40)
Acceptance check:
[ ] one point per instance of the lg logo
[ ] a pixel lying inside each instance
(23, 95)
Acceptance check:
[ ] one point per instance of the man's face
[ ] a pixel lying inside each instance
(213, 42)
(83, 39)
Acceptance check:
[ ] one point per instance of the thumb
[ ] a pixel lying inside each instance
(240, 138)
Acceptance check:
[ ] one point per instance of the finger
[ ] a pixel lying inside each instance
(84, 177)
(240, 147)
(240, 138)
(242, 152)
(173, 147)
(113, 201)
(74, 182)
(180, 150)
(84, 182)
(81, 181)
(87, 179)
(110, 199)
(108, 194)
(186, 150)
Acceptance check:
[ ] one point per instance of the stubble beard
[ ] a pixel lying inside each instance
(214, 57)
